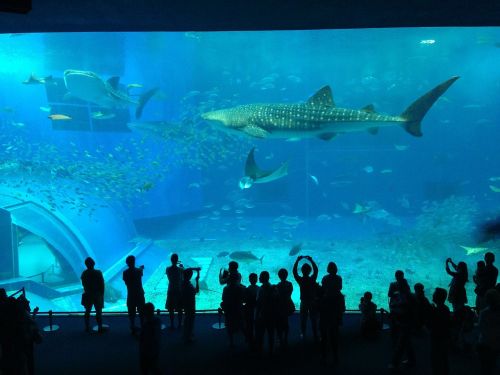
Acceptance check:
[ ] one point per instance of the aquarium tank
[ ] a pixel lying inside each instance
(376, 149)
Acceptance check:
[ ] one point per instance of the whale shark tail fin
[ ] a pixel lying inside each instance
(143, 100)
(418, 109)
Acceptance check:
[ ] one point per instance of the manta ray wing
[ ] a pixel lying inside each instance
(262, 176)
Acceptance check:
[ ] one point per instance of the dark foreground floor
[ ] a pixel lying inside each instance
(72, 351)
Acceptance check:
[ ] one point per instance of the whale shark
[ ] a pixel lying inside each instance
(89, 87)
(255, 175)
(320, 117)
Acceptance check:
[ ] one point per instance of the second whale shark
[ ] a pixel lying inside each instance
(110, 94)
(320, 117)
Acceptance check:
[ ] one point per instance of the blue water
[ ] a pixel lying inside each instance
(117, 192)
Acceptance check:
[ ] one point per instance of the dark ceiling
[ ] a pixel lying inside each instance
(183, 15)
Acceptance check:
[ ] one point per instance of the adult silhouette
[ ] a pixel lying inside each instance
(173, 303)
(93, 293)
(308, 293)
(439, 325)
(132, 277)
(265, 315)
(331, 310)
(285, 306)
(250, 300)
(401, 313)
(232, 305)
(489, 333)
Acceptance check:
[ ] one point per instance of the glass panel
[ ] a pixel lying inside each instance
(359, 147)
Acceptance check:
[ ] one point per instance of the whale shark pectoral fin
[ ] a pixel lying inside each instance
(327, 136)
(370, 108)
(373, 131)
(255, 131)
(322, 98)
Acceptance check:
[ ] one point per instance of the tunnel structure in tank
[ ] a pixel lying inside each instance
(44, 248)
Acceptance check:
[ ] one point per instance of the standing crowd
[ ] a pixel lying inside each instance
(263, 311)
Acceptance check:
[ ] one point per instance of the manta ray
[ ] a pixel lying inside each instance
(110, 94)
(255, 175)
(320, 117)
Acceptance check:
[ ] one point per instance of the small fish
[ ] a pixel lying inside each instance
(45, 109)
(295, 249)
(58, 117)
(315, 179)
(428, 41)
(34, 80)
(223, 254)
(359, 209)
(495, 189)
(102, 116)
(324, 217)
(18, 125)
(368, 169)
(493, 179)
(384, 171)
(134, 86)
(226, 207)
(401, 147)
(146, 186)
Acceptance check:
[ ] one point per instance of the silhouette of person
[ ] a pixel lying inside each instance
(479, 280)
(93, 293)
(331, 310)
(174, 275)
(265, 314)
(30, 332)
(308, 293)
(232, 304)
(149, 341)
(490, 275)
(250, 299)
(285, 306)
(370, 325)
(135, 292)
(422, 306)
(188, 293)
(489, 333)
(401, 313)
(457, 295)
(4, 300)
(225, 274)
(439, 325)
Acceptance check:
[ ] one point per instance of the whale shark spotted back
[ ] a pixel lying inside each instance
(320, 117)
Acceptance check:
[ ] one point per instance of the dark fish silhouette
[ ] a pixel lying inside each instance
(245, 256)
(295, 249)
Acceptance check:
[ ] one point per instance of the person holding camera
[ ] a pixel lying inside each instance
(457, 295)
(135, 292)
(173, 303)
(188, 293)
(308, 291)
(224, 275)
